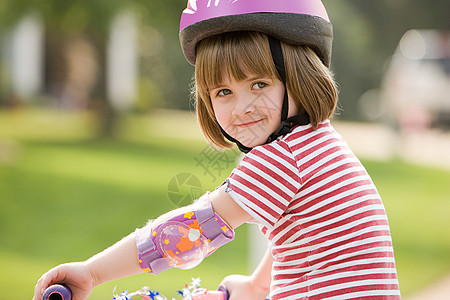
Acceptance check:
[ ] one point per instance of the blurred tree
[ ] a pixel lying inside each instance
(366, 35)
(351, 49)
(90, 20)
(63, 21)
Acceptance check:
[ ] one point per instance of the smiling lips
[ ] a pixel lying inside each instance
(248, 124)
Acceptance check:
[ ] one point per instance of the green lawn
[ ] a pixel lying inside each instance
(65, 196)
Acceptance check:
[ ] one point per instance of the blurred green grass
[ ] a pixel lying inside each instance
(65, 195)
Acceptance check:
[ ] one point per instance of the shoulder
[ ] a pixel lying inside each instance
(275, 153)
(306, 138)
(307, 133)
(298, 137)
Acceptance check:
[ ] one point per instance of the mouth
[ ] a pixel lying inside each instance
(248, 124)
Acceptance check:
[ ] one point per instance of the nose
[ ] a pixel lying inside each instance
(244, 105)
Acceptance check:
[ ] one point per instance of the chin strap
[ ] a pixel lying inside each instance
(241, 147)
(286, 123)
(278, 60)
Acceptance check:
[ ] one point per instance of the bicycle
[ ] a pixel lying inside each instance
(190, 292)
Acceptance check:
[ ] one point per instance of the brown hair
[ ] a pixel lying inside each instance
(238, 54)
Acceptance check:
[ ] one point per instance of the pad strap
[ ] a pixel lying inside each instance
(150, 259)
(211, 228)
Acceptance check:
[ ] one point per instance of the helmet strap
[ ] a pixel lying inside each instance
(286, 123)
(241, 147)
(278, 60)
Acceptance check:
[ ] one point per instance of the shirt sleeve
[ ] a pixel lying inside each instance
(265, 182)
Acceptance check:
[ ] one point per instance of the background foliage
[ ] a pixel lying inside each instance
(65, 196)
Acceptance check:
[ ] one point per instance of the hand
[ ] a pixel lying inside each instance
(75, 275)
(244, 288)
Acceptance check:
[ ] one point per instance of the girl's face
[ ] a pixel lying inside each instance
(249, 110)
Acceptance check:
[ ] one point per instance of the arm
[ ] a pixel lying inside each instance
(255, 286)
(227, 208)
(261, 277)
(117, 261)
(120, 260)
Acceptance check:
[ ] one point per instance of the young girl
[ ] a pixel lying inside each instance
(262, 82)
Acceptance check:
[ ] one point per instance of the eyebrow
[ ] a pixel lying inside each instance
(256, 78)
(248, 79)
(219, 87)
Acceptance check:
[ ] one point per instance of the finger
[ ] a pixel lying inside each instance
(37, 294)
(38, 289)
(49, 278)
(225, 280)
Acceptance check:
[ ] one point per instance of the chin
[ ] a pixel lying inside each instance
(254, 143)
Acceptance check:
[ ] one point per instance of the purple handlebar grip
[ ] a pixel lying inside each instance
(224, 290)
(57, 292)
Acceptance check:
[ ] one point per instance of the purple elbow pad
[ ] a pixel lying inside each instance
(182, 241)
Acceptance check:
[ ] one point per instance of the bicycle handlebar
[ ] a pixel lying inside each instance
(63, 292)
(57, 292)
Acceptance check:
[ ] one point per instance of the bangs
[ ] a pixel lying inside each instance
(235, 55)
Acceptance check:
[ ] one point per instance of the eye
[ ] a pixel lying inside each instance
(223, 92)
(259, 85)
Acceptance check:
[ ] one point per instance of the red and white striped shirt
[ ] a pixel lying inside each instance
(322, 214)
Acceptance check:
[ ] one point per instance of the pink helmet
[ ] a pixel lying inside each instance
(297, 22)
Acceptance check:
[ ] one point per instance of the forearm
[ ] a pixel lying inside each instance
(122, 259)
(256, 286)
(119, 260)
(262, 276)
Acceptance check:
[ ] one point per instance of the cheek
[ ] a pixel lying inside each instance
(222, 114)
(272, 103)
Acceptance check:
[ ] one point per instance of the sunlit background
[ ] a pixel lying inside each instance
(98, 133)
